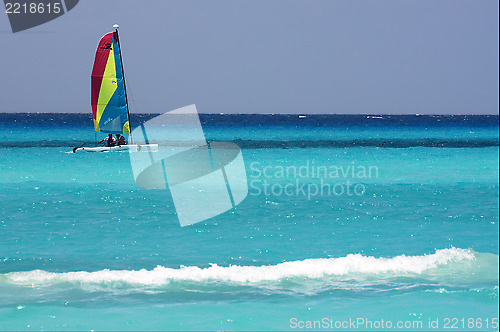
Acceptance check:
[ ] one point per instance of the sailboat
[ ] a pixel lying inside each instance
(109, 100)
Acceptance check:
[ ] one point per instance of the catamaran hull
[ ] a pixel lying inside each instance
(129, 148)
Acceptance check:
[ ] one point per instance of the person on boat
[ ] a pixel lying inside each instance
(110, 141)
(120, 140)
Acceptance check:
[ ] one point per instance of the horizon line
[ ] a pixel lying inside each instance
(301, 114)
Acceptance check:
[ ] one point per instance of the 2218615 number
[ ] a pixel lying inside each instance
(32, 8)
(470, 323)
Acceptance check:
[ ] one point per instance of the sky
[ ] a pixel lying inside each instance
(279, 56)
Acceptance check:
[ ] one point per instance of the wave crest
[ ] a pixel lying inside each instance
(352, 266)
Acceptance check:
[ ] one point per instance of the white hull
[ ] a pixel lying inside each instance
(129, 148)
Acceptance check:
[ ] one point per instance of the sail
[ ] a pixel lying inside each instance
(109, 103)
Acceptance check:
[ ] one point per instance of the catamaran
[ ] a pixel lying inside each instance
(109, 96)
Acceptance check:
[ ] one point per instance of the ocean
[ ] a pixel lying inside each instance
(351, 222)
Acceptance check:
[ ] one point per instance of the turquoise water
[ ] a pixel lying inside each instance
(83, 248)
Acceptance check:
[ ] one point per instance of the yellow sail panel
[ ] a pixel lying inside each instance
(108, 86)
(126, 128)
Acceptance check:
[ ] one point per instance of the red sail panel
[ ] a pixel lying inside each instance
(101, 59)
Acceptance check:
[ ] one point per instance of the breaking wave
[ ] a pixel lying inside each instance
(445, 266)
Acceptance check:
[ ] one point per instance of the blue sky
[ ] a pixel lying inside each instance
(279, 56)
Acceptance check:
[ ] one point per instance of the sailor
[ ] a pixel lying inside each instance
(110, 141)
(120, 140)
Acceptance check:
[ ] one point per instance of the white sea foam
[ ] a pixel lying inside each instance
(353, 266)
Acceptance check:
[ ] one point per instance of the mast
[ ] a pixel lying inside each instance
(116, 26)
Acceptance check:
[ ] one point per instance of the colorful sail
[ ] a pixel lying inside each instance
(108, 99)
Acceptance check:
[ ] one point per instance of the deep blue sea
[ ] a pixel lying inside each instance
(406, 239)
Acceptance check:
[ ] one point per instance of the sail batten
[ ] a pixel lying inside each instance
(108, 100)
